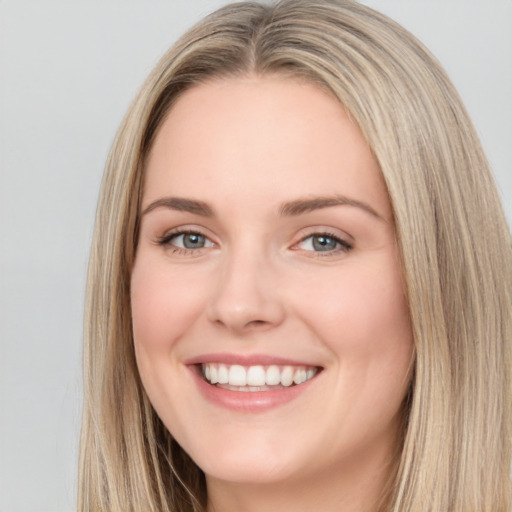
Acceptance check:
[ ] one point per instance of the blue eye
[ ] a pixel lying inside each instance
(324, 242)
(187, 240)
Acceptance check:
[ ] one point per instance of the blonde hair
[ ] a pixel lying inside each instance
(451, 232)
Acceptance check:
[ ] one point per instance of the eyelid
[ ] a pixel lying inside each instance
(345, 242)
(182, 235)
(165, 239)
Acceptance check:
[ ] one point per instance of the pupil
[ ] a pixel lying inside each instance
(324, 243)
(193, 240)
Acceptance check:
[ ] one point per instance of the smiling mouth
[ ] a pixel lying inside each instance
(256, 378)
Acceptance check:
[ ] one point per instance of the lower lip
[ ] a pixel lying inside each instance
(249, 401)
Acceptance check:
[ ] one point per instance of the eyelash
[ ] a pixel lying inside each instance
(166, 241)
(342, 245)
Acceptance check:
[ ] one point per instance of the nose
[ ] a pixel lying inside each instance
(246, 298)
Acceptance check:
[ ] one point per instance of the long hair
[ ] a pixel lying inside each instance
(453, 240)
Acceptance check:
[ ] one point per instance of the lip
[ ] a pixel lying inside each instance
(251, 401)
(246, 360)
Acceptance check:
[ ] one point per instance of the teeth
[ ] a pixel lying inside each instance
(223, 374)
(237, 376)
(300, 376)
(273, 376)
(256, 378)
(287, 376)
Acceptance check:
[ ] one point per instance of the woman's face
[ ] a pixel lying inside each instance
(267, 262)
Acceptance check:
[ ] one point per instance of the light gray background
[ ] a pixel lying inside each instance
(68, 70)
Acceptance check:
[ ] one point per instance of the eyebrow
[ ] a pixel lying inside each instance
(289, 208)
(182, 205)
(306, 205)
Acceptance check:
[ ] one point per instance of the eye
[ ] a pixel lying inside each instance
(324, 242)
(186, 240)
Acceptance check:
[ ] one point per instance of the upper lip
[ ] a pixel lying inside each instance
(246, 360)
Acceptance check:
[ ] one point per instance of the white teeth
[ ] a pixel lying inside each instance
(300, 376)
(273, 375)
(223, 374)
(237, 376)
(287, 376)
(258, 377)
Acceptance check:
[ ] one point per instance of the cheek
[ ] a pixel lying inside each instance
(358, 302)
(362, 315)
(163, 304)
(365, 323)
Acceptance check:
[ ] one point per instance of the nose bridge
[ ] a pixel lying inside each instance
(246, 297)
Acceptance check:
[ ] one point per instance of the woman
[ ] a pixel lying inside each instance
(300, 279)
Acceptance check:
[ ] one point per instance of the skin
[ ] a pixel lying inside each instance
(260, 286)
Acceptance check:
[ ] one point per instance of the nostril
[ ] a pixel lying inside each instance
(256, 323)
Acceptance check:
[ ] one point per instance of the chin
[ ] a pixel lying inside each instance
(250, 464)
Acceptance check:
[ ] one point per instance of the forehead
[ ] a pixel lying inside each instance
(270, 135)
